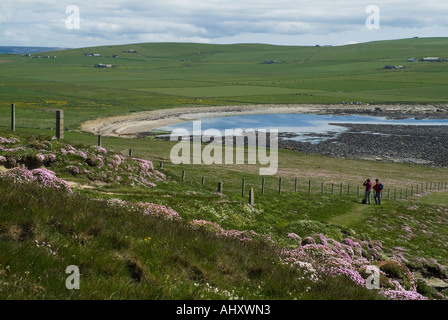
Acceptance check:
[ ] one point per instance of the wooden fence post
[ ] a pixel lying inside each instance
(262, 185)
(295, 184)
(279, 185)
(251, 197)
(183, 174)
(203, 181)
(309, 186)
(242, 187)
(13, 117)
(99, 140)
(60, 124)
(220, 187)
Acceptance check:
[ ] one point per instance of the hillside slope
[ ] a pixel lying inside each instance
(176, 246)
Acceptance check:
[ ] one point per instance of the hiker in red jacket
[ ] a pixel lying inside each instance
(368, 186)
(377, 196)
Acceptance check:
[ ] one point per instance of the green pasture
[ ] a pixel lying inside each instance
(164, 75)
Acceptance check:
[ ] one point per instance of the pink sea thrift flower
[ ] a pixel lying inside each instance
(294, 236)
(158, 211)
(74, 170)
(40, 157)
(402, 295)
(9, 141)
(100, 149)
(45, 177)
(81, 154)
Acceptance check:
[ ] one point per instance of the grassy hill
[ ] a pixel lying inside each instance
(164, 75)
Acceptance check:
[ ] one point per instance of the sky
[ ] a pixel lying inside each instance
(86, 23)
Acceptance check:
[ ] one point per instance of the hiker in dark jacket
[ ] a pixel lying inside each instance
(377, 196)
(368, 186)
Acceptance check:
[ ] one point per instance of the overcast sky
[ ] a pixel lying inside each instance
(55, 23)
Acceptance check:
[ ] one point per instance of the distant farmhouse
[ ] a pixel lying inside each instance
(132, 51)
(269, 62)
(431, 59)
(102, 65)
(92, 54)
(393, 67)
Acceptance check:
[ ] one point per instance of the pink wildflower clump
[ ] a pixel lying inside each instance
(353, 275)
(115, 202)
(73, 170)
(9, 141)
(402, 295)
(145, 165)
(40, 157)
(2, 159)
(45, 178)
(146, 170)
(216, 229)
(210, 226)
(70, 147)
(11, 149)
(294, 236)
(158, 210)
(100, 149)
(346, 258)
(81, 154)
(116, 161)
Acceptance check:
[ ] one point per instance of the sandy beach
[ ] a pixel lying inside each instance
(140, 122)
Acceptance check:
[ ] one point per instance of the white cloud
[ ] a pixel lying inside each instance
(290, 21)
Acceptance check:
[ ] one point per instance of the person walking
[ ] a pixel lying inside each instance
(368, 186)
(377, 187)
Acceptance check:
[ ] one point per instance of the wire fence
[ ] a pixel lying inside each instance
(275, 186)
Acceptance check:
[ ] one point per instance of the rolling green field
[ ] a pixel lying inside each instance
(165, 75)
(219, 247)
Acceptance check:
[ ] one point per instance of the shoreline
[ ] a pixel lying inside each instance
(132, 125)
